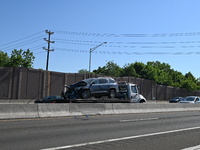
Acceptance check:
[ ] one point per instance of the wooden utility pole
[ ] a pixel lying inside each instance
(48, 49)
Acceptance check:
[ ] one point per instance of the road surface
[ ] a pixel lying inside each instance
(160, 131)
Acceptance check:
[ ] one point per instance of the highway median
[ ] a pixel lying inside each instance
(16, 111)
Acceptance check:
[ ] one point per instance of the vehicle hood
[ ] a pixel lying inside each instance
(78, 84)
(138, 97)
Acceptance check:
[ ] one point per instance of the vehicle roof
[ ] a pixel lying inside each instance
(126, 83)
(98, 78)
(192, 96)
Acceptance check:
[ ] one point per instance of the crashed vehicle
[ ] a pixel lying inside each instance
(96, 87)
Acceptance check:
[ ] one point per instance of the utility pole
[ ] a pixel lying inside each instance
(48, 49)
(91, 50)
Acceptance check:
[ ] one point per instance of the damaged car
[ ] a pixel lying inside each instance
(96, 87)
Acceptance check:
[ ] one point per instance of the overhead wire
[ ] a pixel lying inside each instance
(39, 53)
(22, 38)
(126, 35)
(144, 45)
(128, 53)
(8, 49)
(148, 43)
(23, 43)
(133, 46)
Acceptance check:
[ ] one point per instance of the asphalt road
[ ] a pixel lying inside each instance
(160, 131)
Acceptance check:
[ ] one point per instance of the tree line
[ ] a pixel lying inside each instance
(161, 73)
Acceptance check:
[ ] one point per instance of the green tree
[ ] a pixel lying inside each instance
(100, 71)
(187, 84)
(177, 78)
(190, 82)
(4, 59)
(83, 71)
(110, 69)
(190, 76)
(129, 70)
(18, 58)
(139, 68)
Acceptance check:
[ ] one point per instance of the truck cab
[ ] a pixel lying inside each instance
(130, 91)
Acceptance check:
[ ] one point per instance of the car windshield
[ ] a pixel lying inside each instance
(134, 89)
(189, 99)
(112, 81)
(46, 98)
(88, 81)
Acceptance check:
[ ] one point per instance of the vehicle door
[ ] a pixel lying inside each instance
(104, 86)
(134, 93)
(197, 100)
(95, 87)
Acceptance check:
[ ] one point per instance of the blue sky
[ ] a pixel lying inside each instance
(135, 30)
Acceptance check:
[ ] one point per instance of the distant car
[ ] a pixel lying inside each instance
(175, 99)
(190, 99)
(97, 87)
(52, 99)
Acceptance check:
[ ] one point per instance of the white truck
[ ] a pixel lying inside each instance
(126, 93)
(130, 92)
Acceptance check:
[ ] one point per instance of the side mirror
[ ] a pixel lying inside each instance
(138, 87)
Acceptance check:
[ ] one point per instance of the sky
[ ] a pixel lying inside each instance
(135, 31)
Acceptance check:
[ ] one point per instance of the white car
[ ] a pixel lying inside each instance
(190, 99)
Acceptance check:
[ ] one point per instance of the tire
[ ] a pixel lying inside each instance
(142, 101)
(85, 94)
(112, 93)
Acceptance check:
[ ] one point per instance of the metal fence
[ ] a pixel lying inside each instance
(24, 83)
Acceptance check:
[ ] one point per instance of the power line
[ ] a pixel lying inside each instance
(126, 35)
(145, 45)
(22, 44)
(134, 43)
(129, 53)
(22, 38)
(36, 47)
(39, 53)
(135, 46)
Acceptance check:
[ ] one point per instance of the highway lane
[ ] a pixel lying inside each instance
(176, 130)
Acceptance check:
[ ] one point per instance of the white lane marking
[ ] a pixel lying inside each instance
(193, 148)
(119, 139)
(134, 120)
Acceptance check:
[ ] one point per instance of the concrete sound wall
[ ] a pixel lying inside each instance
(26, 83)
(13, 111)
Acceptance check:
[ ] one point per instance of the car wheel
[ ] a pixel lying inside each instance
(85, 94)
(142, 101)
(112, 93)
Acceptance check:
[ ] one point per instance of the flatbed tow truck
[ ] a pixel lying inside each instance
(128, 93)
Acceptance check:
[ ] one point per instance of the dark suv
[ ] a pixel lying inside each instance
(96, 87)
